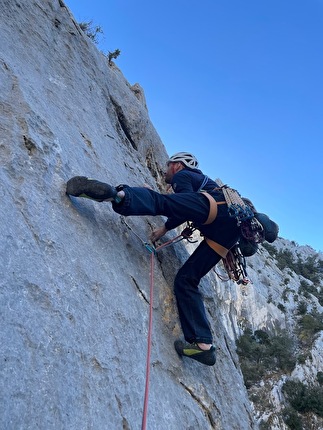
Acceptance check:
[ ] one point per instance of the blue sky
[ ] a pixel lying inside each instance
(239, 84)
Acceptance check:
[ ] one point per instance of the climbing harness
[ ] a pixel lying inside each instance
(185, 234)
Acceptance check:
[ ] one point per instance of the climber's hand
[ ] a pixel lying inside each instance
(158, 233)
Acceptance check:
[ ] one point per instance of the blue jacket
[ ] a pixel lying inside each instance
(224, 229)
(190, 181)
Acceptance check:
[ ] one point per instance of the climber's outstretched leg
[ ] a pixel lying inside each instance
(81, 186)
(142, 201)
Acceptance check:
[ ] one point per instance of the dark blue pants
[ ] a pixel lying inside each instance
(193, 207)
(189, 300)
(143, 201)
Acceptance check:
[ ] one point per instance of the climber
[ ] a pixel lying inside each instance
(196, 198)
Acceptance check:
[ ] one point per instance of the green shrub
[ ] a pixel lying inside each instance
(319, 296)
(281, 307)
(295, 394)
(302, 308)
(314, 400)
(262, 336)
(251, 373)
(113, 55)
(281, 351)
(259, 352)
(270, 248)
(304, 399)
(309, 326)
(292, 419)
(311, 268)
(264, 425)
(301, 359)
(306, 287)
(90, 30)
(284, 259)
(311, 323)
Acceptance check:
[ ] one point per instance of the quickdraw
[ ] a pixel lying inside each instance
(235, 266)
(185, 234)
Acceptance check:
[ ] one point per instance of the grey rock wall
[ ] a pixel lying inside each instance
(74, 285)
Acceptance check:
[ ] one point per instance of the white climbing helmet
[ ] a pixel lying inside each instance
(189, 160)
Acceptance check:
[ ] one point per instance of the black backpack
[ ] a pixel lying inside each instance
(250, 236)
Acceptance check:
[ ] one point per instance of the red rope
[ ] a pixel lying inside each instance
(186, 234)
(150, 325)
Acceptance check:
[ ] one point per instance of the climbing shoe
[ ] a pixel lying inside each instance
(81, 186)
(192, 350)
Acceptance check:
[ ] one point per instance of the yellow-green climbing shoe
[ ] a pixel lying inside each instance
(192, 350)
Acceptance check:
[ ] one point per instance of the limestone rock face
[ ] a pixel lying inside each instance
(74, 285)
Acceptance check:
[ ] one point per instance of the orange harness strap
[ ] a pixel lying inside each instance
(213, 208)
(219, 249)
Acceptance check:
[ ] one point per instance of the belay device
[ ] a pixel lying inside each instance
(255, 228)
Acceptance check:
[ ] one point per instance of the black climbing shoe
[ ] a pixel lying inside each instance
(81, 186)
(192, 350)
